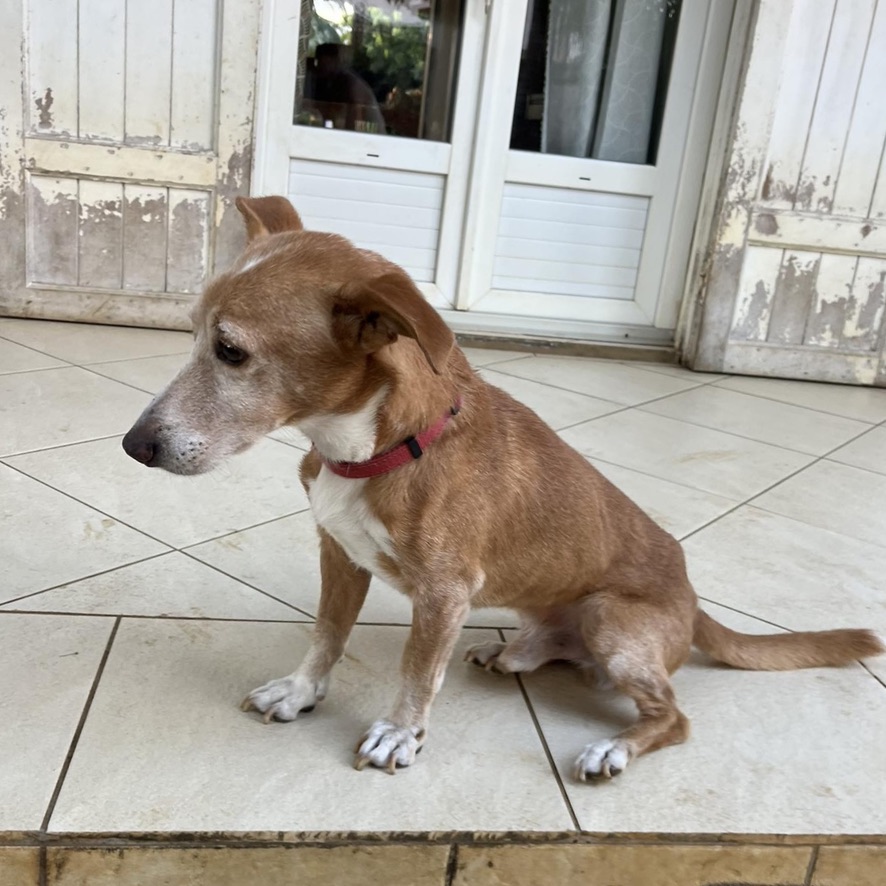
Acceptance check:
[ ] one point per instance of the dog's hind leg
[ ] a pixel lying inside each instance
(551, 635)
(343, 590)
(638, 645)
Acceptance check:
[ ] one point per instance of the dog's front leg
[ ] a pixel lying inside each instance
(343, 589)
(437, 617)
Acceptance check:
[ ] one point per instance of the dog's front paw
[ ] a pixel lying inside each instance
(486, 655)
(388, 746)
(602, 759)
(286, 698)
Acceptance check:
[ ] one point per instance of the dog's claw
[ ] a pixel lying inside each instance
(391, 768)
(361, 762)
(268, 716)
(246, 704)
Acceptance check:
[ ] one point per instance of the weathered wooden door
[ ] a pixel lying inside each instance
(126, 134)
(795, 285)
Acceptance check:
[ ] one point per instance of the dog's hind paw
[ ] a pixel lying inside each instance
(286, 698)
(605, 758)
(388, 746)
(485, 655)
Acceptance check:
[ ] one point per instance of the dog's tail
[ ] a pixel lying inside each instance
(783, 652)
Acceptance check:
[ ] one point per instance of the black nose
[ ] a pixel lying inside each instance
(140, 446)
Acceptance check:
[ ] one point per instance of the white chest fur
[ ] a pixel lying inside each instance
(341, 509)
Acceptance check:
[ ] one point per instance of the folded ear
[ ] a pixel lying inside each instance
(268, 215)
(375, 313)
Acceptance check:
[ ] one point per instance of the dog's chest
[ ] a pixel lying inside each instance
(340, 508)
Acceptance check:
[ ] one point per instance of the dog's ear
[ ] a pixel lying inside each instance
(375, 313)
(268, 215)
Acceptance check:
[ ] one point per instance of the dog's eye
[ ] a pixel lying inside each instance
(229, 354)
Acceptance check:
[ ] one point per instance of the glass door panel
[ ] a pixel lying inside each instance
(380, 67)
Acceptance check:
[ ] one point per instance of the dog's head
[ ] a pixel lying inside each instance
(290, 332)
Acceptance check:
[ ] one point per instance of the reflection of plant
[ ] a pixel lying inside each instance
(386, 53)
(393, 53)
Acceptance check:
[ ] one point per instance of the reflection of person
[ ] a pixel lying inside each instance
(339, 94)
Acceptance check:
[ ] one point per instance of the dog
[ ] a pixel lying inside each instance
(425, 475)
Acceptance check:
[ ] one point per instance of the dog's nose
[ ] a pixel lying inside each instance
(139, 446)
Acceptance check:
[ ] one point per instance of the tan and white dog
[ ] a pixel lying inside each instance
(483, 505)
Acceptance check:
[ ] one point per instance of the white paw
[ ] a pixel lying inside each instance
(485, 655)
(286, 698)
(388, 746)
(605, 758)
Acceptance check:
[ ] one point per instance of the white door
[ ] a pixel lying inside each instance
(596, 117)
(127, 133)
(377, 142)
(795, 286)
(574, 237)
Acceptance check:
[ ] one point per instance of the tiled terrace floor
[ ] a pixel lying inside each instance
(137, 608)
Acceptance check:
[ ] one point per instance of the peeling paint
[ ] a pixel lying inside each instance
(766, 223)
(44, 105)
(794, 294)
(751, 313)
(188, 232)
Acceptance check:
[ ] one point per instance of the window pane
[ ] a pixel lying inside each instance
(593, 78)
(383, 66)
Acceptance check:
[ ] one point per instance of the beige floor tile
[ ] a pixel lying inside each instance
(166, 717)
(46, 538)
(861, 403)
(632, 865)
(557, 407)
(171, 585)
(258, 485)
(768, 421)
(47, 665)
(86, 343)
(787, 752)
(19, 866)
(679, 509)
(868, 451)
(844, 499)
(292, 437)
(790, 573)
(54, 407)
(723, 464)
(150, 374)
(283, 559)
(272, 866)
(617, 382)
(15, 358)
(850, 866)
(677, 371)
(488, 356)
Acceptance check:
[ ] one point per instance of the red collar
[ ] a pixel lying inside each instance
(410, 449)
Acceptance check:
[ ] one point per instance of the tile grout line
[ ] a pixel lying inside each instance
(7, 455)
(171, 547)
(79, 579)
(78, 731)
(875, 676)
(451, 870)
(813, 861)
(749, 501)
(248, 584)
(544, 743)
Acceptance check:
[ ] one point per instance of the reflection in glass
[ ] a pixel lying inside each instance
(381, 66)
(593, 78)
